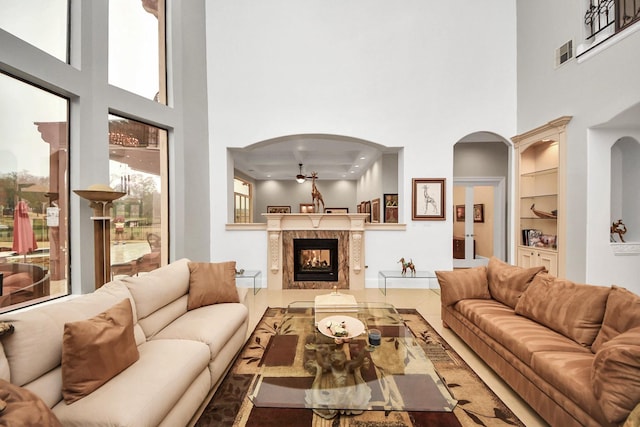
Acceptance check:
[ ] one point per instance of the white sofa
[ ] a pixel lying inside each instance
(183, 354)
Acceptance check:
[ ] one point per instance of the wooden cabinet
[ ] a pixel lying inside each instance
(532, 257)
(540, 203)
(459, 248)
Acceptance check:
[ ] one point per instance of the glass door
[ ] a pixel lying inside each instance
(473, 225)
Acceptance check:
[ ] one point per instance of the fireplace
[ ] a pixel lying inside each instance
(347, 229)
(315, 260)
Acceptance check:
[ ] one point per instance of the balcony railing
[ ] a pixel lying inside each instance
(602, 14)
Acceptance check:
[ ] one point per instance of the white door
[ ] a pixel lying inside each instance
(479, 221)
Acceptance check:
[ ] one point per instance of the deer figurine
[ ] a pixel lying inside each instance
(407, 265)
(316, 196)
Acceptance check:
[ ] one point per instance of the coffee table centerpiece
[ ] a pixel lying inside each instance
(336, 316)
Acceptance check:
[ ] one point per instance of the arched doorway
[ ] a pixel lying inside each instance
(480, 186)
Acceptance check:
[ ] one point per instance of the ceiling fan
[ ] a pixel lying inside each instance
(301, 178)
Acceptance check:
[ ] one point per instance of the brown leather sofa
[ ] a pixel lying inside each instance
(571, 351)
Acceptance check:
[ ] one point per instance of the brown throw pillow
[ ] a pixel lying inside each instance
(96, 350)
(620, 301)
(507, 282)
(615, 375)
(456, 285)
(574, 310)
(211, 283)
(24, 408)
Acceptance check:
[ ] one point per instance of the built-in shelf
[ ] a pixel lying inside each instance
(539, 196)
(540, 172)
(540, 182)
(628, 248)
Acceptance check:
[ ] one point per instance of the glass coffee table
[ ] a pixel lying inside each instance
(305, 366)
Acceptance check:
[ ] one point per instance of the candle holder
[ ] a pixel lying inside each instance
(101, 198)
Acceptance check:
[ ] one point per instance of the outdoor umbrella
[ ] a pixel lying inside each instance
(24, 241)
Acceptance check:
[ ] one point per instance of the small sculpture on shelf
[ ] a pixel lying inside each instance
(407, 265)
(542, 214)
(618, 228)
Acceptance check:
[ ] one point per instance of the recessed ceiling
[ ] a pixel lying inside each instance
(332, 157)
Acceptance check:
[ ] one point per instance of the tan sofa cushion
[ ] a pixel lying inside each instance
(149, 392)
(507, 282)
(574, 310)
(35, 348)
(23, 408)
(456, 285)
(616, 375)
(96, 350)
(620, 301)
(212, 283)
(154, 290)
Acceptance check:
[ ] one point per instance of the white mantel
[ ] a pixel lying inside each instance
(354, 224)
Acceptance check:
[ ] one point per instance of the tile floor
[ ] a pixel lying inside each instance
(427, 302)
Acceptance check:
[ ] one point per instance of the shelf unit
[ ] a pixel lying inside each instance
(541, 158)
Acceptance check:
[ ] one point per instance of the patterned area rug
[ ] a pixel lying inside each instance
(477, 404)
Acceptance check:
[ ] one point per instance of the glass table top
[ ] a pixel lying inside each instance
(396, 274)
(304, 368)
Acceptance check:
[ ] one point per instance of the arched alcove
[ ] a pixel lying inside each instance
(625, 193)
(349, 171)
(480, 181)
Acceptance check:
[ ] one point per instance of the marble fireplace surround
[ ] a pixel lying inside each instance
(347, 228)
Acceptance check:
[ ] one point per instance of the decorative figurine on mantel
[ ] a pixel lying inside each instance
(618, 228)
(407, 265)
(316, 196)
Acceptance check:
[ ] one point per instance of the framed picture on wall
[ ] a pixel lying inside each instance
(391, 208)
(336, 210)
(427, 199)
(278, 209)
(375, 210)
(367, 210)
(306, 207)
(478, 212)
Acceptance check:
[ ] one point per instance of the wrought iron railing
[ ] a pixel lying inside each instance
(603, 14)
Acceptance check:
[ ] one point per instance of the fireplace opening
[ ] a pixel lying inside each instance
(315, 260)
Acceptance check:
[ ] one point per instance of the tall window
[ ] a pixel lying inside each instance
(33, 194)
(138, 167)
(242, 201)
(25, 18)
(137, 47)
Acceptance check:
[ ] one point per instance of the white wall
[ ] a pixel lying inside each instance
(398, 74)
(370, 184)
(593, 89)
